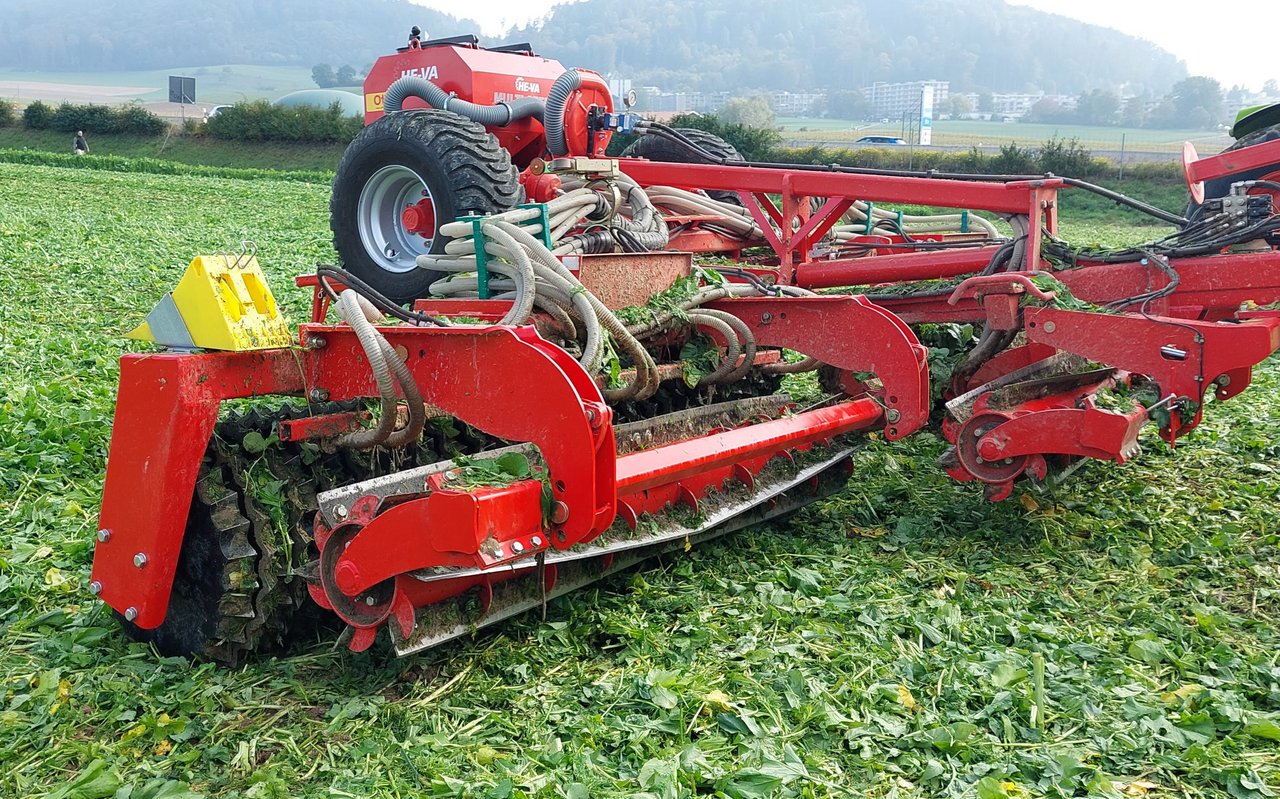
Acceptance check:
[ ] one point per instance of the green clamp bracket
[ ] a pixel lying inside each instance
(542, 219)
(871, 217)
(482, 258)
(964, 221)
(479, 241)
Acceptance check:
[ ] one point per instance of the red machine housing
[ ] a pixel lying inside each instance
(472, 73)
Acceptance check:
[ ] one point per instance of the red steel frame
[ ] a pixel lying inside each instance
(1037, 199)
(1186, 322)
(489, 377)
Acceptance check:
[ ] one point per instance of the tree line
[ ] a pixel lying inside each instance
(1194, 102)
(711, 45)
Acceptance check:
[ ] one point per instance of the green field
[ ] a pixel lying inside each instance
(229, 83)
(968, 133)
(186, 149)
(881, 643)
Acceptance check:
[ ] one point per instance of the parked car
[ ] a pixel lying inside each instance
(880, 140)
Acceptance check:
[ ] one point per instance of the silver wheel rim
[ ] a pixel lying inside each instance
(384, 196)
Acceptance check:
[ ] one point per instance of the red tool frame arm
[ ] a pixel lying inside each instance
(168, 406)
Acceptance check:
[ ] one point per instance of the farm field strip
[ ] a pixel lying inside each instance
(957, 132)
(1113, 636)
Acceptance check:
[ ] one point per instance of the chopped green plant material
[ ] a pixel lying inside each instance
(949, 345)
(1063, 298)
(699, 357)
(1112, 636)
(665, 303)
(915, 287)
(481, 472)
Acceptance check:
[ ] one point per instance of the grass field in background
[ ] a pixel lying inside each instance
(967, 132)
(186, 149)
(228, 83)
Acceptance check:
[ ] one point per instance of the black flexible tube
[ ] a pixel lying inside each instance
(379, 300)
(553, 117)
(497, 115)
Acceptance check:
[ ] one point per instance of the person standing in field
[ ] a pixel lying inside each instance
(81, 145)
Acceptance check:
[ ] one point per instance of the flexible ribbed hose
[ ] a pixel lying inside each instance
(371, 340)
(553, 116)
(412, 397)
(496, 116)
(733, 348)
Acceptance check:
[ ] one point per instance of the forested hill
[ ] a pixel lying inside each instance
(111, 35)
(831, 44)
(675, 44)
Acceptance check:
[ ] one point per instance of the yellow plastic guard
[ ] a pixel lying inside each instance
(221, 303)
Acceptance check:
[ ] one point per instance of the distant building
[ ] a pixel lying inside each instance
(894, 100)
(655, 99)
(794, 104)
(652, 98)
(1016, 106)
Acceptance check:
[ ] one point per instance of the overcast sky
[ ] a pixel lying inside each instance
(1232, 42)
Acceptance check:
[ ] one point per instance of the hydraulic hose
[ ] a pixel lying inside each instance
(349, 308)
(553, 116)
(497, 115)
(412, 397)
(733, 346)
(745, 336)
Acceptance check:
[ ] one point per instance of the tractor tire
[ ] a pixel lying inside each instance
(657, 148)
(445, 163)
(1219, 187)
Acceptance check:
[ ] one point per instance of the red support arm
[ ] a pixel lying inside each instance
(505, 381)
(165, 414)
(851, 334)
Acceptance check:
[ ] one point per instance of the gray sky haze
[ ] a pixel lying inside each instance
(1211, 42)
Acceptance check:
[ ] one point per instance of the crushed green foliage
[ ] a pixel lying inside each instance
(481, 472)
(1063, 298)
(886, 642)
(949, 345)
(699, 357)
(662, 304)
(938, 286)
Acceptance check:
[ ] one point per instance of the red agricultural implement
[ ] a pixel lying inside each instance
(562, 390)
